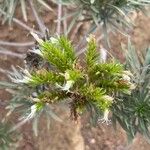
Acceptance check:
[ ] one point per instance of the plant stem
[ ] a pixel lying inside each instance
(10, 53)
(20, 23)
(40, 23)
(59, 19)
(15, 44)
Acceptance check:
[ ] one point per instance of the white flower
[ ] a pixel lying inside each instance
(53, 40)
(90, 37)
(26, 72)
(37, 51)
(108, 98)
(23, 120)
(128, 73)
(69, 82)
(67, 75)
(103, 54)
(26, 77)
(105, 118)
(33, 111)
(66, 86)
(35, 99)
(132, 86)
(126, 77)
(40, 41)
(31, 114)
(92, 1)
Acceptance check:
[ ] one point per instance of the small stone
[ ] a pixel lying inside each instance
(93, 141)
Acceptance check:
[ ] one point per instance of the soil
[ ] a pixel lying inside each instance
(68, 135)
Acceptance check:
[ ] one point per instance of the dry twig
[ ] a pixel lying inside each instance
(15, 44)
(40, 23)
(58, 30)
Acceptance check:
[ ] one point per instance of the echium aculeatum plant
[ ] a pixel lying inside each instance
(93, 82)
(133, 113)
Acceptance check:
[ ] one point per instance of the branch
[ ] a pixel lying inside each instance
(40, 23)
(59, 18)
(16, 44)
(65, 21)
(3, 70)
(12, 54)
(20, 23)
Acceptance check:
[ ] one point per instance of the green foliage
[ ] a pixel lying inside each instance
(59, 53)
(92, 55)
(67, 47)
(62, 77)
(96, 95)
(44, 77)
(133, 112)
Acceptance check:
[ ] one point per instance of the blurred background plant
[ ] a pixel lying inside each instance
(133, 112)
(8, 8)
(107, 15)
(8, 139)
